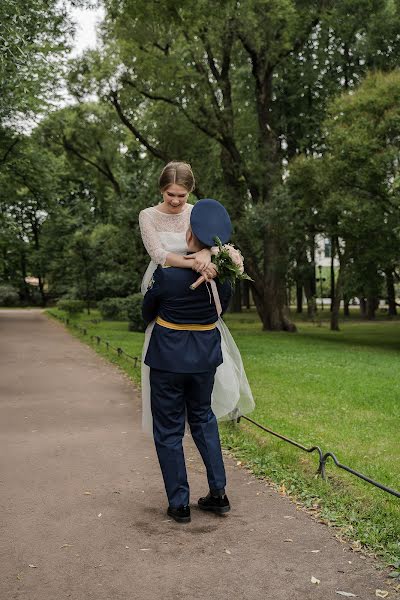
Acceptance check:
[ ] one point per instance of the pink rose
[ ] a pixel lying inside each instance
(235, 256)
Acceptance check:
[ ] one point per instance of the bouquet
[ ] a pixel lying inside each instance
(228, 261)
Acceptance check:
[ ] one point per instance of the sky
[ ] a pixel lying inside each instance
(85, 37)
(86, 21)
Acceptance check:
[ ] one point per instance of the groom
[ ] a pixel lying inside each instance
(183, 354)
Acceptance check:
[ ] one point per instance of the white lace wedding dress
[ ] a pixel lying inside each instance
(163, 233)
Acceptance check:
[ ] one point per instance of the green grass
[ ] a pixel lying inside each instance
(339, 390)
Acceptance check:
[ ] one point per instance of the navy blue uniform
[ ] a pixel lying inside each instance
(182, 369)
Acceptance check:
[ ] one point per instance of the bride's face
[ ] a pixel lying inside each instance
(175, 198)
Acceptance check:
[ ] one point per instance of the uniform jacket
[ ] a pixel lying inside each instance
(170, 297)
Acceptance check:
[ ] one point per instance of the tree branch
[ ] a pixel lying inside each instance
(109, 170)
(8, 151)
(69, 147)
(176, 104)
(210, 58)
(203, 72)
(124, 119)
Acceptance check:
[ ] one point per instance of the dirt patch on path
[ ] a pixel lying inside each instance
(83, 507)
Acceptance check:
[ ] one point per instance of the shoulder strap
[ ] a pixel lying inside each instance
(217, 300)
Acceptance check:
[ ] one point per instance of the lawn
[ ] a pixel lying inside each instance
(339, 390)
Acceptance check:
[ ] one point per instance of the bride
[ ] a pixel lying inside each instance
(163, 229)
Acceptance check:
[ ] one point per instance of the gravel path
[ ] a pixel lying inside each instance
(83, 507)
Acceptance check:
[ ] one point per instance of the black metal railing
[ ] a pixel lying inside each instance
(322, 457)
(83, 330)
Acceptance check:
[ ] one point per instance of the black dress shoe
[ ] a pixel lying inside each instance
(217, 504)
(181, 514)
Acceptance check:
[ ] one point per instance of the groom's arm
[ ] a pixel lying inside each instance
(151, 300)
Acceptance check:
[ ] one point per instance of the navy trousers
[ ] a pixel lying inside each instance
(173, 394)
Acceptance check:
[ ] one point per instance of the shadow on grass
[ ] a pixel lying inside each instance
(381, 334)
(386, 339)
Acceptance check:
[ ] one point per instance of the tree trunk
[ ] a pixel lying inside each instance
(372, 305)
(310, 289)
(269, 285)
(25, 286)
(363, 308)
(36, 230)
(333, 272)
(311, 299)
(339, 287)
(236, 300)
(391, 294)
(246, 293)
(299, 297)
(336, 301)
(42, 292)
(275, 315)
(288, 297)
(346, 310)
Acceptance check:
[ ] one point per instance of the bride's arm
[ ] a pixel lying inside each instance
(151, 240)
(198, 261)
(176, 260)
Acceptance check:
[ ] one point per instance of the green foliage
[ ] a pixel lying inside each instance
(351, 192)
(29, 181)
(135, 318)
(363, 134)
(256, 99)
(8, 296)
(71, 307)
(91, 137)
(244, 88)
(33, 42)
(115, 309)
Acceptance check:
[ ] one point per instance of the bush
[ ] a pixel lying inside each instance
(71, 307)
(70, 293)
(135, 318)
(8, 296)
(114, 309)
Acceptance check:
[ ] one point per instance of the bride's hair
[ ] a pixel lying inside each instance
(177, 172)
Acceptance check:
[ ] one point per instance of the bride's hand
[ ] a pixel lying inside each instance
(202, 260)
(210, 272)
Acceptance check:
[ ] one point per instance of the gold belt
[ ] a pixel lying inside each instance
(185, 326)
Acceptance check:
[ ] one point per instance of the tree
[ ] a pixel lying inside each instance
(28, 184)
(220, 68)
(33, 40)
(360, 177)
(350, 39)
(197, 59)
(93, 140)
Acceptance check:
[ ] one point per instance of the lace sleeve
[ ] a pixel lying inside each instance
(151, 239)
